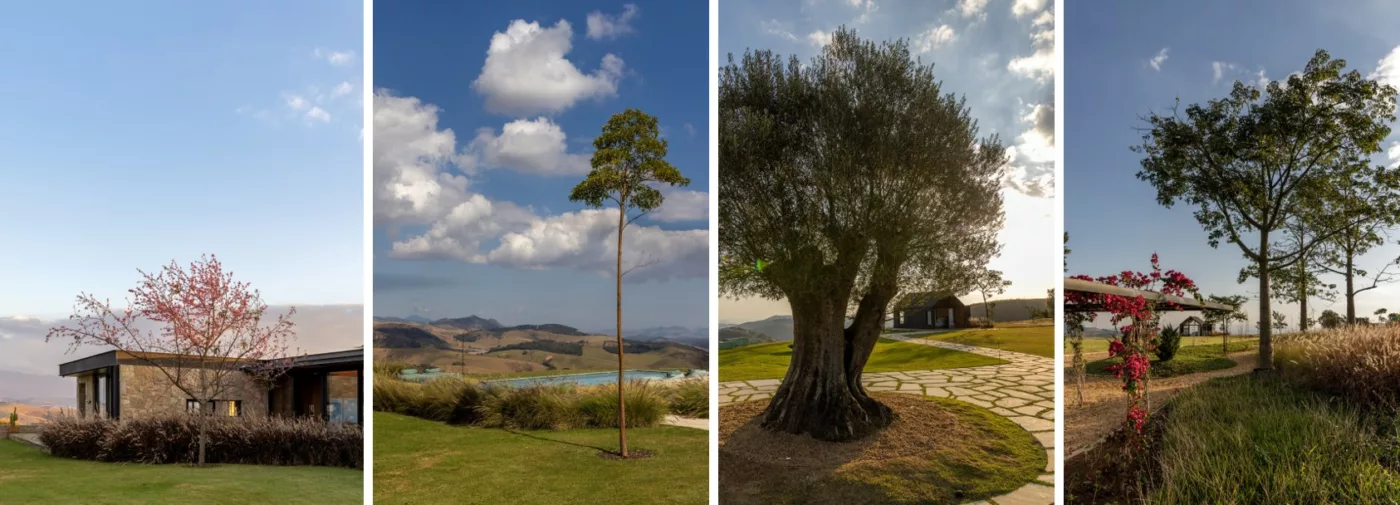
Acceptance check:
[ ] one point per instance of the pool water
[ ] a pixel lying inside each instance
(589, 379)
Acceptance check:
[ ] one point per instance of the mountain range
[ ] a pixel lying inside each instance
(779, 328)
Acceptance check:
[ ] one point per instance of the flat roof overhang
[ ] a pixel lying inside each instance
(330, 361)
(1163, 302)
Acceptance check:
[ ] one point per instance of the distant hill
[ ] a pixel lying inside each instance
(469, 323)
(778, 328)
(405, 336)
(410, 319)
(1011, 309)
(523, 348)
(736, 336)
(698, 337)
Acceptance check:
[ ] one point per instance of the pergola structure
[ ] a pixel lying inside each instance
(1162, 303)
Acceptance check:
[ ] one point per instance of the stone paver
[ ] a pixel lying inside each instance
(29, 438)
(1022, 390)
(687, 422)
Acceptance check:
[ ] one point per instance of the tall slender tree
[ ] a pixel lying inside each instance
(843, 174)
(991, 285)
(629, 160)
(1257, 160)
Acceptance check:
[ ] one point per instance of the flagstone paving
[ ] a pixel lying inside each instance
(1022, 390)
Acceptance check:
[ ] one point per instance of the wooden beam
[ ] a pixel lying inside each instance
(1163, 302)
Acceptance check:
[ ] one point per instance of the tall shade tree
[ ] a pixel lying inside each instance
(1339, 254)
(855, 177)
(1300, 282)
(1254, 161)
(200, 329)
(628, 162)
(991, 285)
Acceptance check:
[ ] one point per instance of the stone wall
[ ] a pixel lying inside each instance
(146, 392)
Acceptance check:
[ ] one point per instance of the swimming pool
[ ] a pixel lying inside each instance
(590, 379)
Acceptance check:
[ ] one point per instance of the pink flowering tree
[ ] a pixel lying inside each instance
(1137, 319)
(197, 327)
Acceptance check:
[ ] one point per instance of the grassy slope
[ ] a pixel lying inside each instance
(1188, 360)
(770, 361)
(1037, 340)
(418, 461)
(31, 476)
(1246, 440)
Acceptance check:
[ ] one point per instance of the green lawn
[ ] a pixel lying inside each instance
(770, 361)
(1188, 360)
(1037, 340)
(28, 475)
(1100, 344)
(418, 461)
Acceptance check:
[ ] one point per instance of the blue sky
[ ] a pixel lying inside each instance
(484, 120)
(998, 53)
(133, 137)
(1117, 71)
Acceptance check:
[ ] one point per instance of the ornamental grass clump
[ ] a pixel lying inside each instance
(646, 405)
(1359, 363)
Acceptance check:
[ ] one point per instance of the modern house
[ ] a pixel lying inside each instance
(117, 385)
(933, 312)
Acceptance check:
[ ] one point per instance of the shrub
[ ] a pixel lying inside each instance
(451, 400)
(390, 368)
(1168, 342)
(397, 396)
(174, 439)
(573, 348)
(690, 398)
(646, 406)
(537, 407)
(74, 437)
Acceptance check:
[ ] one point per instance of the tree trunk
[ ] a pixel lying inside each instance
(1351, 290)
(621, 400)
(821, 395)
(1266, 344)
(203, 433)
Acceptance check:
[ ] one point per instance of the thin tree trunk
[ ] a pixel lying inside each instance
(621, 400)
(1302, 296)
(1351, 291)
(1266, 344)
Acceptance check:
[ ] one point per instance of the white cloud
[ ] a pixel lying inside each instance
(1218, 69)
(1044, 19)
(682, 205)
(526, 73)
(1393, 154)
(532, 146)
(934, 37)
(296, 102)
(819, 38)
(408, 151)
(1031, 161)
(335, 57)
(318, 114)
(972, 9)
(412, 185)
(1388, 69)
(1156, 61)
(602, 26)
(342, 89)
(1040, 65)
(690, 129)
(1020, 8)
(775, 27)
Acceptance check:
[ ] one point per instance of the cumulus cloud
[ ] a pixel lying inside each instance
(972, 9)
(1040, 65)
(413, 184)
(409, 149)
(318, 114)
(819, 38)
(602, 26)
(342, 89)
(934, 38)
(1393, 154)
(1031, 161)
(532, 146)
(1218, 69)
(1388, 69)
(1156, 61)
(1022, 8)
(682, 205)
(526, 72)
